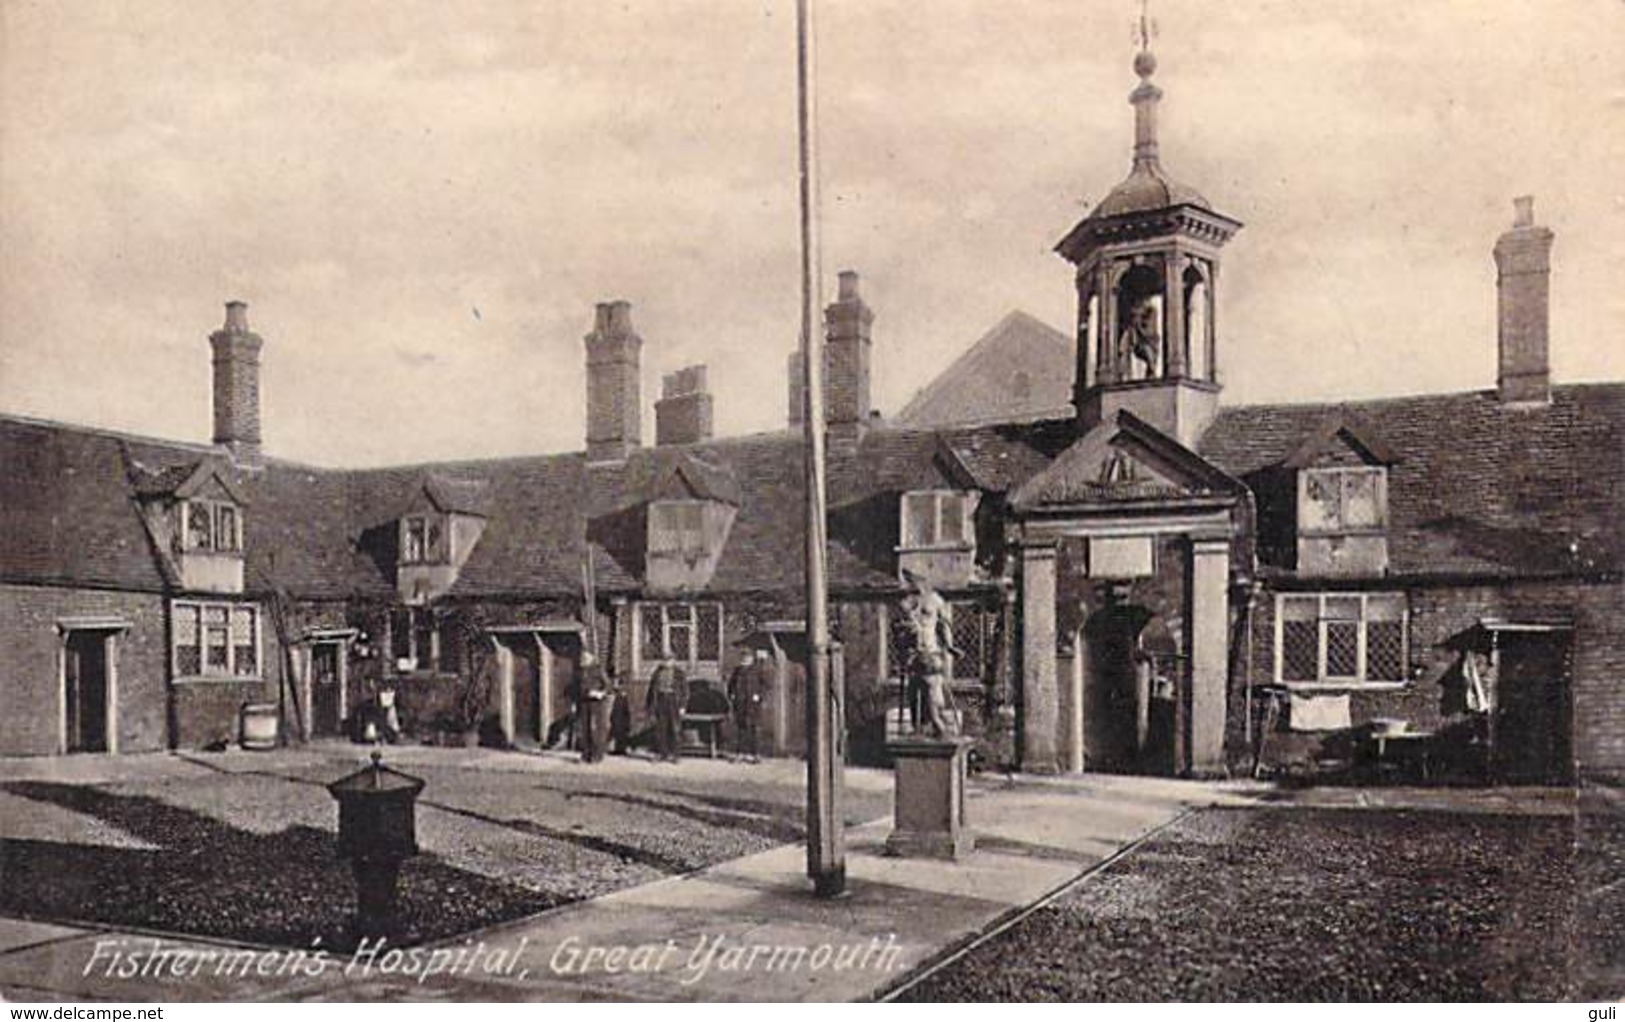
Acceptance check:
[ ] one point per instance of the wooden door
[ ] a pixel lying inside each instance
(559, 720)
(85, 691)
(1534, 712)
(326, 710)
(525, 683)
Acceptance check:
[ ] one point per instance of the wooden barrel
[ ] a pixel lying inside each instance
(259, 726)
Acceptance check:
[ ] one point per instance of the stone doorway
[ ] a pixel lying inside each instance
(1131, 684)
(87, 669)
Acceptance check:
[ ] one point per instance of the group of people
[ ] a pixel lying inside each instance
(602, 719)
(750, 685)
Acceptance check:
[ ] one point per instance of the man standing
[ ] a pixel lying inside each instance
(747, 691)
(668, 692)
(592, 708)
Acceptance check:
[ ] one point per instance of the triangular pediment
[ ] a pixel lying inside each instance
(692, 479)
(1123, 462)
(210, 487)
(1343, 437)
(433, 493)
(204, 479)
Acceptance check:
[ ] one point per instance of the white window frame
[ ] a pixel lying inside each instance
(1342, 473)
(1359, 680)
(425, 661)
(214, 509)
(967, 537)
(690, 612)
(204, 671)
(429, 521)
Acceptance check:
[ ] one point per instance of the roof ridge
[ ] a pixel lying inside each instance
(191, 446)
(1485, 392)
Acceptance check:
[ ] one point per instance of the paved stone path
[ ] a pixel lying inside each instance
(747, 929)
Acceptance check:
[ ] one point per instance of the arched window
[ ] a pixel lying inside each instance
(1198, 299)
(1139, 348)
(1089, 328)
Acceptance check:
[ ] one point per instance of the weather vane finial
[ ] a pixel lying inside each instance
(1144, 62)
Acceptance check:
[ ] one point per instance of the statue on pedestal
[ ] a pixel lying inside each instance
(931, 619)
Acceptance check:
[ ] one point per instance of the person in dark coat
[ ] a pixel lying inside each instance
(620, 718)
(748, 687)
(592, 708)
(668, 693)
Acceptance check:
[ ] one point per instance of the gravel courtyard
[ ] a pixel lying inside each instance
(1326, 905)
(242, 846)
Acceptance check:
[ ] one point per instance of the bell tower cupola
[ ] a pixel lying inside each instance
(1147, 271)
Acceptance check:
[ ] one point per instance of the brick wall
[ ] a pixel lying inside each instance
(208, 711)
(236, 387)
(614, 384)
(1438, 612)
(30, 665)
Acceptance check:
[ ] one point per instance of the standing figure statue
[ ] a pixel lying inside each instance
(931, 619)
(1141, 338)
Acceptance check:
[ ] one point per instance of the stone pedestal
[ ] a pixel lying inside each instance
(930, 799)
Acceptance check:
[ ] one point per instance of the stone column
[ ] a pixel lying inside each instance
(1210, 653)
(1173, 307)
(1212, 338)
(1039, 695)
(1106, 367)
(1076, 708)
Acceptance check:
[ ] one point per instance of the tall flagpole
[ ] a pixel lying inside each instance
(826, 856)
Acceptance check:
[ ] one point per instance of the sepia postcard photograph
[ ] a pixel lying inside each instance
(811, 501)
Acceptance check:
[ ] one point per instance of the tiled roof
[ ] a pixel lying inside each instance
(298, 535)
(1478, 486)
(1019, 370)
(71, 516)
(763, 552)
(1002, 457)
(67, 512)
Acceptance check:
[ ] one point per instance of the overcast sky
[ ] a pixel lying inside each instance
(421, 201)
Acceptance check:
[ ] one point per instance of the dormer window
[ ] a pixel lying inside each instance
(677, 529)
(937, 520)
(1337, 501)
(211, 526)
(937, 533)
(691, 508)
(1342, 519)
(423, 540)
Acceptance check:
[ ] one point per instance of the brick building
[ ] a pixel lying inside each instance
(1155, 582)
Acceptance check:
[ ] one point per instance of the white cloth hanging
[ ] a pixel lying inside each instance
(1319, 712)
(1478, 693)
